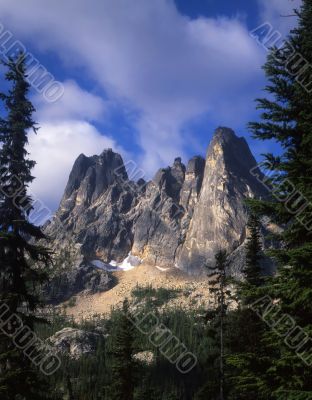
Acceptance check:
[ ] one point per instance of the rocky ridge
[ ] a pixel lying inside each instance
(179, 218)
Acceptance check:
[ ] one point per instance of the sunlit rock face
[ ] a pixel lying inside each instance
(219, 219)
(179, 218)
(75, 343)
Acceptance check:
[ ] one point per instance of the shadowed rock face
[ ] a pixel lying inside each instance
(181, 217)
(93, 215)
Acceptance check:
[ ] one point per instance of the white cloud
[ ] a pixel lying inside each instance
(276, 11)
(75, 103)
(65, 132)
(148, 56)
(55, 148)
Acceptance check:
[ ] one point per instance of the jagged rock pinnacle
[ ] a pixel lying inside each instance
(181, 217)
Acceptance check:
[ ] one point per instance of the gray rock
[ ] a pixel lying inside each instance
(220, 215)
(68, 280)
(75, 342)
(181, 217)
(145, 357)
(192, 183)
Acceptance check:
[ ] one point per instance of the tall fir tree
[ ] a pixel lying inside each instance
(253, 278)
(21, 261)
(252, 270)
(287, 119)
(221, 294)
(247, 359)
(122, 386)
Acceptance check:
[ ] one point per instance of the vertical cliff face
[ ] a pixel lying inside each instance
(93, 219)
(192, 183)
(219, 218)
(160, 213)
(181, 217)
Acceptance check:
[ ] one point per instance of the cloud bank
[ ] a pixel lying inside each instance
(147, 57)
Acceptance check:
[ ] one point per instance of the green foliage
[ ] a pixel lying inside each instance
(92, 376)
(287, 119)
(247, 356)
(22, 263)
(122, 385)
(154, 296)
(221, 294)
(252, 271)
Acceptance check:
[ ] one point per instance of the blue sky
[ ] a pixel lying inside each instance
(150, 78)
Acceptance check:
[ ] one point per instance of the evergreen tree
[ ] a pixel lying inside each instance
(253, 279)
(287, 119)
(247, 356)
(220, 292)
(252, 271)
(21, 261)
(122, 385)
(144, 393)
(69, 388)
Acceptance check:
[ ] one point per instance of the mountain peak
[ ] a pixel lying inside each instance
(220, 215)
(178, 160)
(225, 140)
(224, 135)
(107, 151)
(182, 218)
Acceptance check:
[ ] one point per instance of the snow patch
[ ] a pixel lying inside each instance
(162, 269)
(127, 264)
(101, 265)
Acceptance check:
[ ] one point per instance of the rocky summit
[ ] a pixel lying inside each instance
(180, 218)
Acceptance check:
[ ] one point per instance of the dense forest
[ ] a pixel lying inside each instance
(259, 349)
